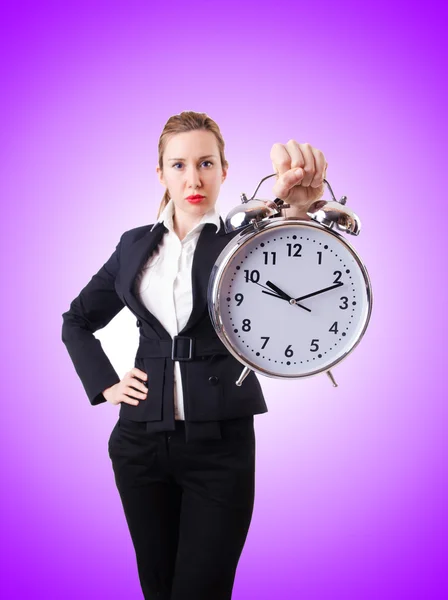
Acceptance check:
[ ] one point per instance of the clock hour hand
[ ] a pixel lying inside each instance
(332, 287)
(280, 292)
(283, 295)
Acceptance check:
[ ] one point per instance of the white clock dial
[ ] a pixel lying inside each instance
(293, 300)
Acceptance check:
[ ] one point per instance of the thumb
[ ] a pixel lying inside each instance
(287, 181)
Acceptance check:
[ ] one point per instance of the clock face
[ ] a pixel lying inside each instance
(292, 300)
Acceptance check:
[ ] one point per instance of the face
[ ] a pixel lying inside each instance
(191, 166)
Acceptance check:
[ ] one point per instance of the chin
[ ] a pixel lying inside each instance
(202, 204)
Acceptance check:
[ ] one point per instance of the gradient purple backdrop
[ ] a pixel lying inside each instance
(351, 488)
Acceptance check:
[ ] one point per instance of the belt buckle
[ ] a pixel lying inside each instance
(174, 348)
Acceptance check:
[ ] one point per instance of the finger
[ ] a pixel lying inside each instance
(287, 181)
(309, 166)
(139, 373)
(320, 161)
(129, 400)
(281, 160)
(297, 157)
(136, 375)
(136, 392)
(138, 383)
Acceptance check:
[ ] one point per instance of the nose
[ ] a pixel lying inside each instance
(193, 178)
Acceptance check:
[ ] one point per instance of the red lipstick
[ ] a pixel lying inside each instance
(195, 199)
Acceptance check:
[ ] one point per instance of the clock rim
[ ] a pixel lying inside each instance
(234, 246)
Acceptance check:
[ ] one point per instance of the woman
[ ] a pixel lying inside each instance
(183, 449)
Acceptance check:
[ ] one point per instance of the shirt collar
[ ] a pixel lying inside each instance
(166, 217)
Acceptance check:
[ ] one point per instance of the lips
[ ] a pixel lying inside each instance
(195, 199)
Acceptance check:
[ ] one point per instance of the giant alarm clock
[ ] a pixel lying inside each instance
(289, 297)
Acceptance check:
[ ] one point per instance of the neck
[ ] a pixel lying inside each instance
(183, 223)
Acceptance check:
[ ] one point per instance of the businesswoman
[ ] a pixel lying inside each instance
(183, 449)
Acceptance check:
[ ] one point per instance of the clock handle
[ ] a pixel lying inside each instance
(245, 372)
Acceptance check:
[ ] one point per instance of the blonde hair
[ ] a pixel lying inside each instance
(188, 121)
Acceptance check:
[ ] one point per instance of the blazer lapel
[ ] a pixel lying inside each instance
(207, 250)
(139, 253)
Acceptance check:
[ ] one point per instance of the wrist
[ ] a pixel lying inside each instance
(296, 212)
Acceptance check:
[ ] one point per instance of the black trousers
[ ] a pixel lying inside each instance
(188, 506)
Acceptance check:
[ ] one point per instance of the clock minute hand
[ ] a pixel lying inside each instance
(332, 287)
(284, 295)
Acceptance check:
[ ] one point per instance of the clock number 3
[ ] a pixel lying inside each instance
(345, 302)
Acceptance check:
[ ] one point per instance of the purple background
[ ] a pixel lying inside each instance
(351, 489)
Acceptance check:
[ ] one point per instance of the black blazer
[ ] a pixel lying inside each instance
(208, 381)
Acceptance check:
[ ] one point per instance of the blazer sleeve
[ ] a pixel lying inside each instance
(96, 305)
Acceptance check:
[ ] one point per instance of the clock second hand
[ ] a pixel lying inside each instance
(280, 294)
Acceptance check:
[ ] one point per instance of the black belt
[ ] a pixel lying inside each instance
(180, 347)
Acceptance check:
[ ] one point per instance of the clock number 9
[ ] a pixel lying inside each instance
(239, 298)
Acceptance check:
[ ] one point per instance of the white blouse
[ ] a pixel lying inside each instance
(164, 283)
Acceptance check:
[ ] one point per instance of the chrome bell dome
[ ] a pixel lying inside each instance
(252, 210)
(331, 213)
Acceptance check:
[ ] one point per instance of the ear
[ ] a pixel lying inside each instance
(160, 175)
(224, 175)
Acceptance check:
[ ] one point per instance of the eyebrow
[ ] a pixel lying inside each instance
(200, 158)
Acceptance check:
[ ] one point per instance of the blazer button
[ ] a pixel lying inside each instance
(213, 380)
(138, 323)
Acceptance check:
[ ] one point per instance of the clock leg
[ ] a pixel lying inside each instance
(245, 372)
(330, 375)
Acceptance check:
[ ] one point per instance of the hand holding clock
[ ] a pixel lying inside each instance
(301, 169)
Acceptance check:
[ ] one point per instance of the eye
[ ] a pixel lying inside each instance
(179, 163)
